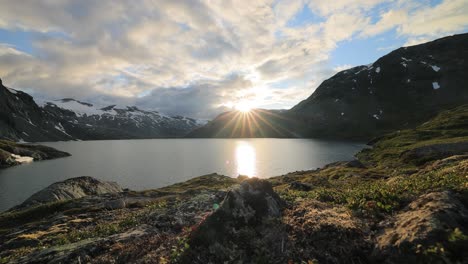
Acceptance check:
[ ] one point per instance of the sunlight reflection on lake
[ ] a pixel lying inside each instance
(245, 159)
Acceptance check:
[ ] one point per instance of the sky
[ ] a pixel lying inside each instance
(199, 58)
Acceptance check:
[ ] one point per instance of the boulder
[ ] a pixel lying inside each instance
(246, 227)
(299, 186)
(71, 189)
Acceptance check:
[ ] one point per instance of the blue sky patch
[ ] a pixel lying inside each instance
(362, 51)
(21, 40)
(304, 17)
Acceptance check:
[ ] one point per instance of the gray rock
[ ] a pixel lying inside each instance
(300, 186)
(246, 226)
(71, 189)
(115, 204)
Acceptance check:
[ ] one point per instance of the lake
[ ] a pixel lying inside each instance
(146, 164)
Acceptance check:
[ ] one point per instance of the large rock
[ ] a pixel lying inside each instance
(71, 189)
(424, 230)
(245, 228)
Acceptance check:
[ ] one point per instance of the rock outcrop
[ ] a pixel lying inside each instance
(245, 227)
(14, 154)
(71, 189)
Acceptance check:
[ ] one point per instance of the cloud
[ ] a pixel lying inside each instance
(197, 57)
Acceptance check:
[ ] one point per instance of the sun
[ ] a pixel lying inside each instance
(243, 107)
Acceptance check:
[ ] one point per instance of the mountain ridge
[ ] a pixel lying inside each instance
(22, 119)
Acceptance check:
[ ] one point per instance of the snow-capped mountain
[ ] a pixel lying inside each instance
(94, 122)
(22, 119)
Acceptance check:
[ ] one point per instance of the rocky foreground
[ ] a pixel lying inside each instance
(12, 153)
(405, 200)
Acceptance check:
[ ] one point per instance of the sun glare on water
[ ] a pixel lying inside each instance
(245, 159)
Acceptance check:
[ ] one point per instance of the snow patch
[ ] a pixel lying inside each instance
(377, 70)
(376, 116)
(435, 68)
(435, 85)
(22, 159)
(80, 109)
(60, 128)
(13, 91)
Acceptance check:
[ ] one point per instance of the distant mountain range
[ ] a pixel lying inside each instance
(399, 90)
(21, 119)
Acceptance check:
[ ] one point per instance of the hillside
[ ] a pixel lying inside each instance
(255, 123)
(399, 90)
(22, 119)
(405, 200)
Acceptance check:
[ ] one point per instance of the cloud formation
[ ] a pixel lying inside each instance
(198, 57)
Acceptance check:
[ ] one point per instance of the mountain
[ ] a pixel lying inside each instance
(399, 90)
(255, 123)
(21, 119)
(112, 122)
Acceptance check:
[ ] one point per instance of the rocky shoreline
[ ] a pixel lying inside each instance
(405, 200)
(12, 154)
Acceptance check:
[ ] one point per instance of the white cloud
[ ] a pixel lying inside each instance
(192, 57)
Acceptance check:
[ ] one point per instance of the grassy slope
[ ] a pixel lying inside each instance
(388, 182)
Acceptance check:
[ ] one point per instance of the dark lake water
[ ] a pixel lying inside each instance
(146, 164)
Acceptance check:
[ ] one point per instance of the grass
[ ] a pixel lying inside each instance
(447, 127)
(31, 214)
(388, 182)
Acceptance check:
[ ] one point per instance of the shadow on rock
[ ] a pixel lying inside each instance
(246, 228)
